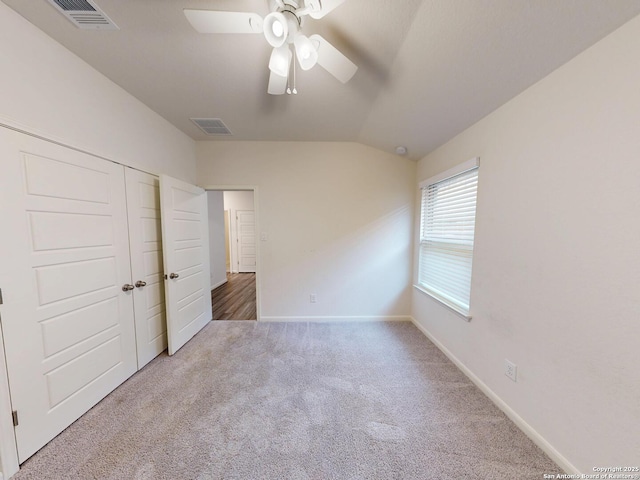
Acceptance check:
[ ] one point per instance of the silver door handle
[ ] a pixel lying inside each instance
(127, 287)
(141, 284)
(173, 275)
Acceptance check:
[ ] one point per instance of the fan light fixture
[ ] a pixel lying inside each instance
(305, 51)
(276, 29)
(280, 60)
(281, 28)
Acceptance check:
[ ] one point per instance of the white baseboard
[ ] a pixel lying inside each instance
(321, 319)
(213, 287)
(528, 430)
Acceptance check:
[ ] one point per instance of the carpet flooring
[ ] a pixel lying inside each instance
(301, 401)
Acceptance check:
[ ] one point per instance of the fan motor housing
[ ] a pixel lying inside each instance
(291, 7)
(293, 22)
(294, 4)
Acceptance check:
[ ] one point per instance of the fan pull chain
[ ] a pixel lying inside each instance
(293, 67)
(289, 77)
(295, 91)
(289, 84)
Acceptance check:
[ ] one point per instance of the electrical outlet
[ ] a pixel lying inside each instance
(313, 298)
(511, 370)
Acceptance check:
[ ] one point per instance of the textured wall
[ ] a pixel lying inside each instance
(556, 270)
(217, 251)
(338, 218)
(47, 90)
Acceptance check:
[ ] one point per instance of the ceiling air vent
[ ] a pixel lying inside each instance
(212, 126)
(84, 14)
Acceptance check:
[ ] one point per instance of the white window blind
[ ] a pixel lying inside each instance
(446, 238)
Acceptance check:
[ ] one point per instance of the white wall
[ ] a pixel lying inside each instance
(556, 273)
(45, 89)
(217, 249)
(234, 201)
(338, 218)
(238, 200)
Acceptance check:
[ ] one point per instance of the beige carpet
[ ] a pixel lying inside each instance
(245, 400)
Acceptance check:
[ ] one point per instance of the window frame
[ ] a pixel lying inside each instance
(472, 164)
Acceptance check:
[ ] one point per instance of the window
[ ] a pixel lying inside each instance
(446, 235)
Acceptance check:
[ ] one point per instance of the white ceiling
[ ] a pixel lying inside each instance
(427, 68)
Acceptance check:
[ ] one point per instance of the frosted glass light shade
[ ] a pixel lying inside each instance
(280, 61)
(305, 51)
(276, 29)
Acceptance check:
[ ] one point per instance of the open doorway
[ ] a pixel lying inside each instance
(233, 254)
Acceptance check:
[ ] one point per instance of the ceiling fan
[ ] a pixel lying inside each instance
(283, 30)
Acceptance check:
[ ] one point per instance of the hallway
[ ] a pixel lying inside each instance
(236, 299)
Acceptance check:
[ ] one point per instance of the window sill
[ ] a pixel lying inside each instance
(451, 307)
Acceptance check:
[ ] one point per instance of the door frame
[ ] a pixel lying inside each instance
(227, 241)
(9, 463)
(256, 210)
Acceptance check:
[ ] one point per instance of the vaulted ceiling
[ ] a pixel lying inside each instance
(427, 68)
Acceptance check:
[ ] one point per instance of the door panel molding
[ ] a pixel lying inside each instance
(246, 235)
(145, 243)
(55, 274)
(185, 236)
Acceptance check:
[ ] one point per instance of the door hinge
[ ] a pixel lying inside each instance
(0, 296)
(14, 414)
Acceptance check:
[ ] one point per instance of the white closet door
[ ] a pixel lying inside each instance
(246, 224)
(145, 241)
(185, 238)
(67, 323)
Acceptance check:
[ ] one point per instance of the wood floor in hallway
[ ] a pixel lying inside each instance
(236, 299)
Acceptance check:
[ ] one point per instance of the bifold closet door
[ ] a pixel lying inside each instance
(145, 240)
(185, 238)
(67, 323)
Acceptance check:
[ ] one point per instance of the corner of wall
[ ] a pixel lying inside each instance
(528, 430)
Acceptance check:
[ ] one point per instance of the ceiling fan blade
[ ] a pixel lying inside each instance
(211, 21)
(277, 84)
(332, 60)
(326, 7)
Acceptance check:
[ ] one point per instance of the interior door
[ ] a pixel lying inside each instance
(246, 224)
(145, 244)
(227, 240)
(185, 237)
(67, 323)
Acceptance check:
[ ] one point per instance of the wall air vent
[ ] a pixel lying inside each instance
(84, 14)
(212, 126)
